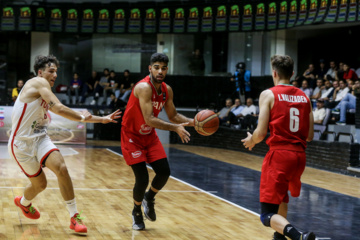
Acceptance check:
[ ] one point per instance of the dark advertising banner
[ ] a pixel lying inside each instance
(333, 12)
(87, 22)
(40, 19)
(272, 16)
(193, 20)
(165, 25)
(8, 19)
(56, 20)
(135, 21)
(283, 14)
(150, 21)
(312, 12)
(220, 21)
(292, 14)
(234, 21)
(179, 21)
(103, 24)
(207, 20)
(302, 13)
(72, 22)
(247, 18)
(25, 19)
(119, 21)
(260, 17)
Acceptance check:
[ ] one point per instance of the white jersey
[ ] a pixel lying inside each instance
(29, 120)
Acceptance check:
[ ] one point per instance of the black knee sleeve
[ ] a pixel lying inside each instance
(141, 181)
(162, 170)
(267, 211)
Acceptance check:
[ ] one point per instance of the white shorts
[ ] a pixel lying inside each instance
(31, 154)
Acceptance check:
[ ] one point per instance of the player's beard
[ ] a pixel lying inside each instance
(155, 80)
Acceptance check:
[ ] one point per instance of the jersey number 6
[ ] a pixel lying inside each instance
(294, 119)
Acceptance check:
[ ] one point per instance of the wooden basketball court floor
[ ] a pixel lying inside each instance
(212, 194)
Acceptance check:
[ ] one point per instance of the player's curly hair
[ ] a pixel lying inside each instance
(159, 57)
(283, 65)
(41, 62)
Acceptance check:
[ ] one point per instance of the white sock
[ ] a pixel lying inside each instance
(24, 201)
(71, 207)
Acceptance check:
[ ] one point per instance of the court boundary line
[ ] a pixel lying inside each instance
(201, 190)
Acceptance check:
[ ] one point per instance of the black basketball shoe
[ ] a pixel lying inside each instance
(138, 221)
(308, 236)
(149, 209)
(278, 236)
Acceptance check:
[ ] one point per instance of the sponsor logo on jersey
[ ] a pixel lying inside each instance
(130, 140)
(145, 129)
(136, 154)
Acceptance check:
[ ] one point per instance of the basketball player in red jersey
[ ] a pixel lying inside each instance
(139, 141)
(287, 112)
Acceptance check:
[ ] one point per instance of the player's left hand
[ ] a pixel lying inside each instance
(111, 117)
(190, 123)
(248, 142)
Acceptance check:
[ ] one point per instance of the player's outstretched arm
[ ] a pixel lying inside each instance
(55, 105)
(265, 104)
(106, 119)
(172, 114)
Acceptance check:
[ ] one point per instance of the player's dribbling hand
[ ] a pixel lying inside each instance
(183, 134)
(189, 124)
(111, 117)
(248, 142)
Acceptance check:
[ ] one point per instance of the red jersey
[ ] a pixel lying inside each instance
(133, 120)
(289, 119)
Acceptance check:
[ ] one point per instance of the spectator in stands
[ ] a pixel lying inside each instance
(74, 88)
(310, 75)
(249, 109)
(340, 72)
(224, 112)
(16, 91)
(326, 91)
(235, 110)
(242, 80)
(305, 88)
(113, 83)
(295, 83)
(317, 91)
(331, 74)
(126, 86)
(320, 73)
(99, 85)
(348, 102)
(339, 93)
(349, 73)
(319, 112)
(248, 116)
(197, 64)
(115, 102)
(89, 86)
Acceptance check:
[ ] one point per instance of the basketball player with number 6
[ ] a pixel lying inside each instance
(287, 112)
(139, 141)
(31, 147)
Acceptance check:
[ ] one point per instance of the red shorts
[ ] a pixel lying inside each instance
(136, 149)
(280, 173)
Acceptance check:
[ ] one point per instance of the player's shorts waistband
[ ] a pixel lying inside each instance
(291, 147)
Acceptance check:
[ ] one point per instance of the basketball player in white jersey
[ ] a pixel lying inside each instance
(30, 146)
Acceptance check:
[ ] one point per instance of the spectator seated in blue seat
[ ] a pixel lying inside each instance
(224, 112)
(89, 86)
(234, 112)
(319, 112)
(100, 85)
(126, 86)
(306, 89)
(339, 93)
(347, 103)
(318, 91)
(74, 88)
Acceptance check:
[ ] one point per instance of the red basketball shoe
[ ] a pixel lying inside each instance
(29, 211)
(77, 224)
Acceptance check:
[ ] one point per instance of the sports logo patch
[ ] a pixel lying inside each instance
(136, 154)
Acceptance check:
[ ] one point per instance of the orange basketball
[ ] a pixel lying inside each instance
(206, 122)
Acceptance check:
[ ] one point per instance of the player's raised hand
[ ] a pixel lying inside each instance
(183, 134)
(248, 142)
(111, 117)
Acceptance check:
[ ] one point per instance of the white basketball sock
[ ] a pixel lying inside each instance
(71, 207)
(24, 202)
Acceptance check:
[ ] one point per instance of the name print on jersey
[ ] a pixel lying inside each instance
(292, 98)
